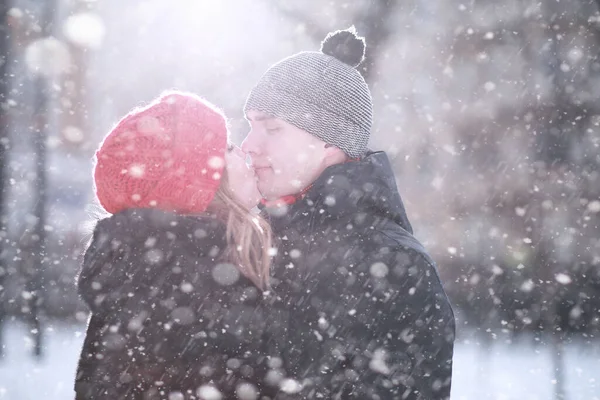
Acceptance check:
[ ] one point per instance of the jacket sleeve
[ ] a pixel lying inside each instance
(384, 325)
(96, 276)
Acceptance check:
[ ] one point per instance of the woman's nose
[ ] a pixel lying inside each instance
(243, 155)
(240, 153)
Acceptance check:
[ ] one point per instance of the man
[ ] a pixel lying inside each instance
(368, 317)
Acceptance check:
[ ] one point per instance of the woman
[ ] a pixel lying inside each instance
(176, 277)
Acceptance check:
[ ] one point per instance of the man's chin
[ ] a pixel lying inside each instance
(270, 192)
(264, 188)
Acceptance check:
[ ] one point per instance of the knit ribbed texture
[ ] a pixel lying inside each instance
(321, 95)
(168, 155)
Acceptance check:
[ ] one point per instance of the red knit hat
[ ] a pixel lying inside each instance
(168, 155)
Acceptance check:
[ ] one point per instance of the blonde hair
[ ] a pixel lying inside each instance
(249, 236)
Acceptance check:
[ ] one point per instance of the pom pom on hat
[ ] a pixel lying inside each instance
(345, 45)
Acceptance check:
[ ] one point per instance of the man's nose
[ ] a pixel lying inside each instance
(250, 144)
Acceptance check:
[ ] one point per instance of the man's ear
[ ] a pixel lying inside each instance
(334, 155)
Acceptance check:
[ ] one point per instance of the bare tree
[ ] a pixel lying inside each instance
(4, 88)
(33, 240)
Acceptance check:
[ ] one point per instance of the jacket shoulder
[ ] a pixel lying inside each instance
(148, 252)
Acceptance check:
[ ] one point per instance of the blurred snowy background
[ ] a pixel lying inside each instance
(490, 111)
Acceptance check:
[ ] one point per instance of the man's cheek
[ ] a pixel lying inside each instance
(302, 157)
(296, 183)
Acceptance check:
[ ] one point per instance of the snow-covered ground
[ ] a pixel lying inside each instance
(502, 372)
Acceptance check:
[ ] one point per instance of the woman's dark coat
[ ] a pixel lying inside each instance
(168, 315)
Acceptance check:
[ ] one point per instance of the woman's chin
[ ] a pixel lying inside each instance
(250, 201)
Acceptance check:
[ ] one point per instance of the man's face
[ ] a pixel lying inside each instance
(286, 159)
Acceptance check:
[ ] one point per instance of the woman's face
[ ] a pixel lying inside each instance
(242, 180)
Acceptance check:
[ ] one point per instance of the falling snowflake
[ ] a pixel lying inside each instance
(154, 256)
(575, 54)
(295, 253)
(225, 274)
(48, 56)
(234, 363)
(379, 270)
(527, 286)
(275, 362)
(85, 30)
(183, 315)
(274, 377)
(329, 201)
(437, 182)
(15, 12)
(450, 149)
(150, 242)
(594, 206)
(200, 233)
(208, 392)
(323, 323)
(176, 396)
(575, 312)
(137, 170)
(489, 86)
(246, 391)
(378, 363)
(563, 279)
(73, 134)
(290, 386)
(187, 287)
(216, 162)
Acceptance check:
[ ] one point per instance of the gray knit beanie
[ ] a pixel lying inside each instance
(321, 93)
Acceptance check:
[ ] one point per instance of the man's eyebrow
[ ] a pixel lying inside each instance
(260, 117)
